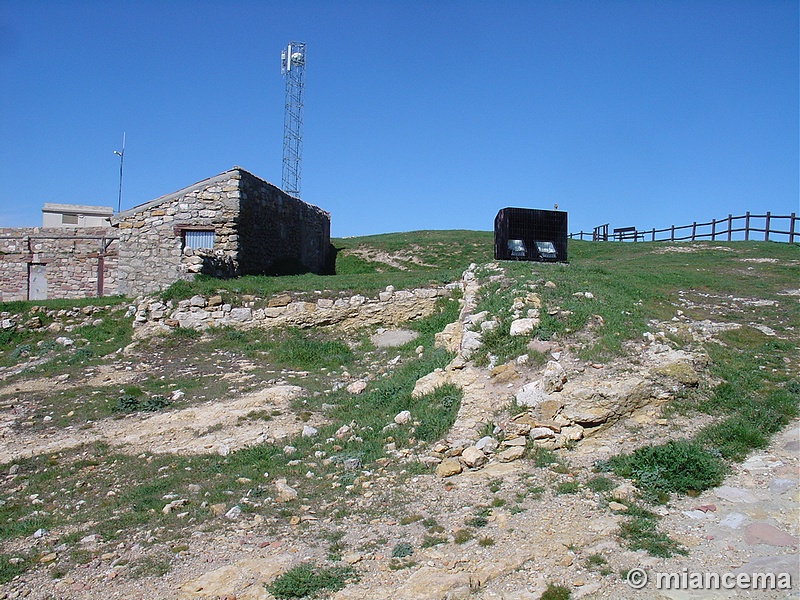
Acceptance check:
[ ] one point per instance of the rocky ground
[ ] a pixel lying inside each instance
(487, 520)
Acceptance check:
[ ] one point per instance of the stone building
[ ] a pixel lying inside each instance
(228, 225)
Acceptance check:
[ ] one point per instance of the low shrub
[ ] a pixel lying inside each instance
(307, 579)
(677, 466)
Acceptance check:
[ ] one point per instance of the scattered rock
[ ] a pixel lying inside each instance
(356, 387)
(764, 533)
(448, 467)
(285, 492)
(512, 453)
(234, 513)
(473, 457)
(553, 378)
(523, 326)
(402, 417)
(486, 444)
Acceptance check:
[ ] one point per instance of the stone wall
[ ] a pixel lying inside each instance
(71, 261)
(151, 235)
(279, 233)
(390, 307)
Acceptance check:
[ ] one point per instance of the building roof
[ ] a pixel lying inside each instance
(83, 209)
(221, 178)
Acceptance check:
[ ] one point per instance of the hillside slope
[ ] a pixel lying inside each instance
(439, 457)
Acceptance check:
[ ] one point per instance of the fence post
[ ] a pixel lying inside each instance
(694, 229)
(654, 235)
(672, 233)
(730, 226)
(791, 229)
(747, 226)
(766, 228)
(713, 229)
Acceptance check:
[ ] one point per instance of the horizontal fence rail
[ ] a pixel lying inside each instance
(767, 227)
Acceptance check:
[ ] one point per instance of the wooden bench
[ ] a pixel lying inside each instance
(626, 233)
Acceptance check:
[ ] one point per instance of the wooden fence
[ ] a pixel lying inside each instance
(768, 227)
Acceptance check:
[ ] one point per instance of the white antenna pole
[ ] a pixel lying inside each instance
(121, 159)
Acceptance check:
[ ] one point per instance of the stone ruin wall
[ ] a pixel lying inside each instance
(389, 308)
(275, 227)
(71, 258)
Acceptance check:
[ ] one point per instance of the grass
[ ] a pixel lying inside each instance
(556, 592)
(680, 466)
(600, 484)
(568, 487)
(402, 550)
(444, 255)
(429, 541)
(462, 536)
(308, 579)
(640, 532)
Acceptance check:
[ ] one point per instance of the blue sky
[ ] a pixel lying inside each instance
(418, 114)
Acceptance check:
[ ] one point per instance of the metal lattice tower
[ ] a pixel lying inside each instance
(293, 68)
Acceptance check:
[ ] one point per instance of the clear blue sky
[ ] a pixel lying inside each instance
(418, 114)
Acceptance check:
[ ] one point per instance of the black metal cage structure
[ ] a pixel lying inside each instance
(530, 234)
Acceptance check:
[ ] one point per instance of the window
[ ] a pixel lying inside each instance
(517, 248)
(196, 239)
(69, 219)
(546, 249)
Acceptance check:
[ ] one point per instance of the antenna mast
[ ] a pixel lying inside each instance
(121, 155)
(293, 67)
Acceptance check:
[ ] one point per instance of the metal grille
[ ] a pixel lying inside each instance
(198, 239)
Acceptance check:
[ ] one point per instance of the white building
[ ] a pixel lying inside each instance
(76, 215)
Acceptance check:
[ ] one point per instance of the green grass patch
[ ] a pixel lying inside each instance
(307, 580)
(680, 466)
(568, 487)
(640, 532)
(556, 592)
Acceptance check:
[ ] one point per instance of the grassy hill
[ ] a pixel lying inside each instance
(748, 291)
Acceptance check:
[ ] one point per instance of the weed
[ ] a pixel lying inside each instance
(595, 560)
(498, 502)
(486, 542)
(568, 487)
(542, 457)
(494, 485)
(308, 579)
(477, 521)
(677, 466)
(397, 565)
(640, 531)
(433, 540)
(150, 566)
(408, 519)
(600, 484)
(133, 403)
(462, 536)
(402, 549)
(555, 592)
